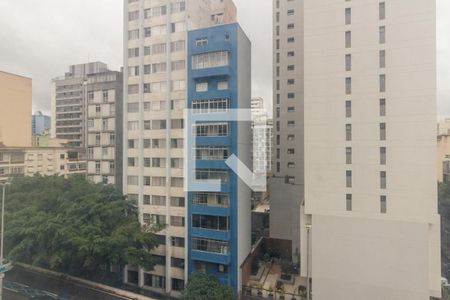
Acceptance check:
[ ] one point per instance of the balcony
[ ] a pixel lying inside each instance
(223, 259)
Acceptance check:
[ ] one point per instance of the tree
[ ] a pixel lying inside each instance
(206, 287)
(444, 211)
(74, 226)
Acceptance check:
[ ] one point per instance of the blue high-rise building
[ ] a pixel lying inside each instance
(219, 213)
(40, 123)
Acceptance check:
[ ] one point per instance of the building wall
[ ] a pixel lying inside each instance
(15, 112)
(46, 161)
(40, 123)
(104, 127)
(288, 119)
(236, 73)
(410, 143)
(158, 106)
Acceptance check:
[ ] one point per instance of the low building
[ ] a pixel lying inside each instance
(47, 161)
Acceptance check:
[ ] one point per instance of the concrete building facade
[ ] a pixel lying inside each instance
(219, 82)
(104, 127)
(40, 123)
(370, 228)
(15, 112)
(155, 56)
(46, 161)
(69, 103)
(262, 128)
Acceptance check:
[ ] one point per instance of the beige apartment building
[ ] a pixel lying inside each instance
(46, 161)
(155, 38)
(355, 114)
(15, 112)
(369, 225)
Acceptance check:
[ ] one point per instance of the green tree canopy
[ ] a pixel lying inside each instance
(206, 287)
(74, 226)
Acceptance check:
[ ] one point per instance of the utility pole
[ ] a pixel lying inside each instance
(2, 274)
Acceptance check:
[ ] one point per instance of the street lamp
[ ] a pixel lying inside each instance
(3, 268)
(308, 285)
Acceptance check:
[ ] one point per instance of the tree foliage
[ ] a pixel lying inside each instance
(444, 211)
(74, 226)
(206, 287)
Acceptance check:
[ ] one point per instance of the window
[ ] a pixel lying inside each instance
(348, 202)
(348, 132)
(177, 104)
(382, 9)
(348, 179)
(211, 174)
(277, 44)
(348, 62)
(216, 129)
(133, 34)
(291, 81)
(291, 95)
(291, 53)
(291, 109)
(290, 12)
(291, 165)
(291, 137)
(156, 11)
(133, 107)
(178, 27)
(383, 180)
(176, 221)
(290, 26)
(178, 65)
(147, 180)
(155, 281)
(132, 180)
(348, 155)
(348, 109)
(178, 7)
(210, 60)
(177, 182)
(291, 39)
(382, 58)
(382, 83)
(382, 38)
(383, 204)
(209, 245)
(133, 89)
(222, 85)
(210, 222)
(290, 151)
(382, 155)
(177, 46)
(201, 42)
(348, 85)
(382, 131)
(348, 39)
(147, 162)
(133, 71)
(177, 262)
(90, 96)
(177, 201)
(201, 87)
(178, 85)
(290, 67)
(155, 87)
(176, 163)
(176, 143)
(132, 161)
(211, 153)
(134, 52)
(158, 181)
(382, 107)
(155, 49)
(177, 241)
(291, 123)
(210, 199)
(158, 200)
(133, 15)
(348, 16)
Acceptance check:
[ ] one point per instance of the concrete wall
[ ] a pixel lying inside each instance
(15, 110)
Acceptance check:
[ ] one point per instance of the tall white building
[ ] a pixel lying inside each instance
(369, 223)
(262, 136)
(155, 50)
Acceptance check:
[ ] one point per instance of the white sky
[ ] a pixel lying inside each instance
(40, 39)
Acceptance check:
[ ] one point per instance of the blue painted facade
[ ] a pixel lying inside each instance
(40, 123)
(225, 266)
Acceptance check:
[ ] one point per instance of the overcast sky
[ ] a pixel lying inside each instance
(40, 39)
